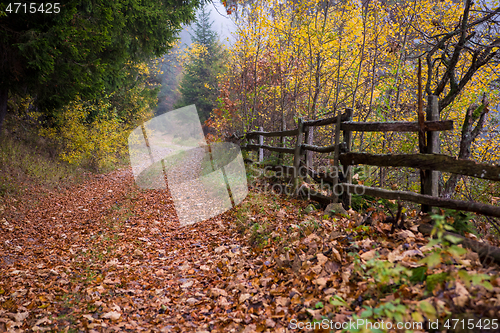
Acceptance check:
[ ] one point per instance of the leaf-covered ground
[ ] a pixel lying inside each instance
(105, 256)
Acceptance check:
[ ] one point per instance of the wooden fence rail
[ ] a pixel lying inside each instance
(397, 126)
(429, 161)
(271, 134)
(270, 148)
(426, 200)
(425, 161)
(327, 149)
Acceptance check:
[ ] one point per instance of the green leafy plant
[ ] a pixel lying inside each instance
(337, 301)
(259, 235)
(445, 248)
(392, 311)
(434, 280)
(461, 221)
(447, 251)
(386, 276)
(307, 227)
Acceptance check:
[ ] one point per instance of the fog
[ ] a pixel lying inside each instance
(223, 24)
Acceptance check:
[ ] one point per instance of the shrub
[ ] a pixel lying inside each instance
(97, 141)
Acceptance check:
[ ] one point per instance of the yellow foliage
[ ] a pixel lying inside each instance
(309, 59)
(99, 143)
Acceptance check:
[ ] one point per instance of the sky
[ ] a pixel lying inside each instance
(223, 25)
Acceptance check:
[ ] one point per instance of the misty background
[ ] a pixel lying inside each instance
(171, 68)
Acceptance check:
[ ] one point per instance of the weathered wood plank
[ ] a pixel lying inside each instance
(285, 170)
(298, 153)
(425, 161)
(261, 143)
(276, 149)
(326, 121)
(426, 200)
(431, 183)
(336, 153)
(348, 174)
(310, 195)
(326, 149)
(271, 134)
(395, 126)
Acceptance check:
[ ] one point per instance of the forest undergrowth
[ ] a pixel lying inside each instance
(104, 256)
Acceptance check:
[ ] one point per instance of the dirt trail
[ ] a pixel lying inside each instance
(106, 256)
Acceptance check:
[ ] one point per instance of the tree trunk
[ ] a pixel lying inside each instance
(4, 96)
(310, 132)
(474, 113)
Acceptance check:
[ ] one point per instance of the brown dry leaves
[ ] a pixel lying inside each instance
(106, 256)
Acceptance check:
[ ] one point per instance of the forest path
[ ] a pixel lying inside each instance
(107, 256)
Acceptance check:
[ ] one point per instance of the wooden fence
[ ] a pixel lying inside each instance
(429, 161)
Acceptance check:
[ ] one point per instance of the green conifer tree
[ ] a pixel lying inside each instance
(199, 81)
(81, 48)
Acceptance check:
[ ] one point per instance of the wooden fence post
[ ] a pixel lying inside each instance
(348, 169)
(307, 139)
(281, 156)
(261, 142)
(336, 157)
(297, 155)
(431, 184)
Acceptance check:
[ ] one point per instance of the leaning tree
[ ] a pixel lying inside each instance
(453, 58)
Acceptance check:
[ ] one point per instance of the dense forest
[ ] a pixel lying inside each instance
(312, 61)
(397, 99)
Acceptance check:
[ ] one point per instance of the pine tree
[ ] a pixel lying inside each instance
(199, 82)
(83, 49)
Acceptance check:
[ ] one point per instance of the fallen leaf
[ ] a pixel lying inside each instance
(322, 259)
(369, 255)
(321, 282)
(244, 297)
(216, 292)
(191, 301)
(187, 284)
(270, 323)
(405, 234)
(462, 294)
(113, 315)
(19, 316)
(282, 301)
(336, 254)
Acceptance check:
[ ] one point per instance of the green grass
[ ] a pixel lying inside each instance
(28, 158)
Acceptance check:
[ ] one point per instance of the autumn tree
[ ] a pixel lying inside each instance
(454, 58)
(314, 58)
